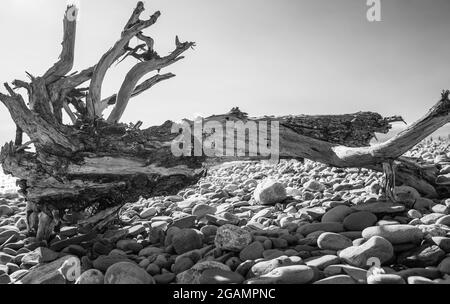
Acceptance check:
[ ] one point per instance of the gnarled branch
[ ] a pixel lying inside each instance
(65, 63)
(94, 97)
(138, 71)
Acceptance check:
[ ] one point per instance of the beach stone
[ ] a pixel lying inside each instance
(203, 209)
(164, 278)
(269, 192)
(127, 273)
(4, 279)
(182, 264)
(5, 210)
(358, 221)
(358, 274)
(5, 258)
(129, 244)
(414, 214)
(406, 194)
(333, 241)
(38, 256)
(444, 220)
(148, 212)
(91, 276)
(423, 256)
(103, 262)
(293, 274)
(186, 240)
(376, 246)
(433, 230)
(385, 279)
(150, 250)
(7, 234)
(252, 251)
(336, 214)
(440, 208)
(337, 279)
(219, 276)
(272, 253)
(431, 218)
(443, 179)
(430, 273)
(442, 242)
(185, 222)
(192, 275)
(380, 207)
(50, 273)
(396, 234)
(321, 262)
(17, 275)
(444, 265)
(191, 202)
(419, 280)
(233, 238)
(423, 204)
(325, 227)
(314, 186)
(264, 267)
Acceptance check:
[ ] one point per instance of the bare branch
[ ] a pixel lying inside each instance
(65, 62)
(145, 85)
(69, 112)
(94, 97)
(138, 71)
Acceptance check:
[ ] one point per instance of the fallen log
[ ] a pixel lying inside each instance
(99, 163)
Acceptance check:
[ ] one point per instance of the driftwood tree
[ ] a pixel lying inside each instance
(101, 163)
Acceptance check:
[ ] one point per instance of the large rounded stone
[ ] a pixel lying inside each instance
(333, 241)
(325, 227)
(396, 234)
(127, 273)
(186, 240)
(201, 210)
(336, 214)
(265, 267)
(269, 192)
(233, 238)
(375, 247)
(192, 276)
(358, 221)
(91, 276)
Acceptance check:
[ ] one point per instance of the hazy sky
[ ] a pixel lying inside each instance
(265, 56)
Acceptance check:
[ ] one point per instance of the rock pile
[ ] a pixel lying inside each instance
(250, 223)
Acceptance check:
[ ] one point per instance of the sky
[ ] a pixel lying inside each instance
(269, 57)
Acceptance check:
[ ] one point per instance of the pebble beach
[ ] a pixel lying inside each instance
(248, 223)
